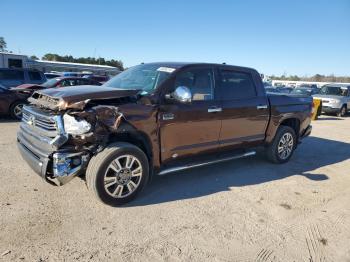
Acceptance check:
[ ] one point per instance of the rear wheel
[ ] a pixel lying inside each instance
(342, 112)
(283, 145)
(118, 173)
(16, 110)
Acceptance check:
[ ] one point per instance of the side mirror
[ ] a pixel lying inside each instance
(182, 94)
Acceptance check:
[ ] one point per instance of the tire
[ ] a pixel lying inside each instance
(342, 112)
(16, 110)
(272, 151)
(115, 184)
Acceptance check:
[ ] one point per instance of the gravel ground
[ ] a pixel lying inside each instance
(245, 210)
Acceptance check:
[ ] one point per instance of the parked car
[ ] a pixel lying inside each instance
(98, 78)
(305, 91)
(59, 82)
(312, 86)
(51, 75)
(26, 90)
(71, 74)
(154, 119)
(271, 89)
(15, 77)
(11, 102)
(335, 99)
(278, 90)
(285, 90)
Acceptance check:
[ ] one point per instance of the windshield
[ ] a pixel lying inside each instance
(141, 77)
(50, 83)
(334, 90)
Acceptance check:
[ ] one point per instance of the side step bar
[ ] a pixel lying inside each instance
(181, 168)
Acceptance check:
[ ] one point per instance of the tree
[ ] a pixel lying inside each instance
(3, 44)
(84, 60)
(34, 57)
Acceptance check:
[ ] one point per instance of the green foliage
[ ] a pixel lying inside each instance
(34, 57)
(315, 78)
(3, 44)
(84, 60)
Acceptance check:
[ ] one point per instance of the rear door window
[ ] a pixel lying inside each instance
(236, 85)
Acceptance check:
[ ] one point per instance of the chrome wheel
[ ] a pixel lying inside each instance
(123, 176)
(17, 111)
(285, 146)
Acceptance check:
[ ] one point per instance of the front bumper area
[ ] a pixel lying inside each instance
(56, 167)
(330, 110)
(41, 141)
(38, 162)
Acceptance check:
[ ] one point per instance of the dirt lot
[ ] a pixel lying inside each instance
(246, 210)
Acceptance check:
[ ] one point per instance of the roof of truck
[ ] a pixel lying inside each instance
(182, 64)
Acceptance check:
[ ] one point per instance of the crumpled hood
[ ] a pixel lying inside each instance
(77, 96)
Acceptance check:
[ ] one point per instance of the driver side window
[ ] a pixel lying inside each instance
(199, 81)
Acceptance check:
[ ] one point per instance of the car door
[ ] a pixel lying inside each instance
(245, 112)
(191, 128)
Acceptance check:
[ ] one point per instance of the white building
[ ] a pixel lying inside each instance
(9, 60)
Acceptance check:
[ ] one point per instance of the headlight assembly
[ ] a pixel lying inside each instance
(75, 127)
(334, 101)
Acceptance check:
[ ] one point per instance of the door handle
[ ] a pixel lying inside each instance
(259, 107)
(214, 109)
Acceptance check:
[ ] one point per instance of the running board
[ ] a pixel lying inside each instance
(181, 168)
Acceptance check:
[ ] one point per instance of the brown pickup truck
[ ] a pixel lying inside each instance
(154, 119)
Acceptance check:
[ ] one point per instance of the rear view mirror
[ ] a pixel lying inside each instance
(182, 94)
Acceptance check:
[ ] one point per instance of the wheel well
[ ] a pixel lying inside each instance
(18, 100)
(135, 138)
(293, 123)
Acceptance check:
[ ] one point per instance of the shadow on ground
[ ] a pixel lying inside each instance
(312, 154)
(4, 119)
(330, 118)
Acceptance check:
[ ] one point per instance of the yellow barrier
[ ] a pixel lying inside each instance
(316, 108)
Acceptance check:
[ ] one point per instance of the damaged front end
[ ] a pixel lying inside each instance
(58, 143)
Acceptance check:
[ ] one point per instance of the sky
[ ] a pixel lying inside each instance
(273, 36)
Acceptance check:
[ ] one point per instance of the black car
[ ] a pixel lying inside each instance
(11, 102)
(10, 77)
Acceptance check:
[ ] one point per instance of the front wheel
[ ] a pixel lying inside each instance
(118, 173)
(283, 145)
(342, 111)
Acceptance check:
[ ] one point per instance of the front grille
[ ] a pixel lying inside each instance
(41, 129)
(41, 122)
(47, 124)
